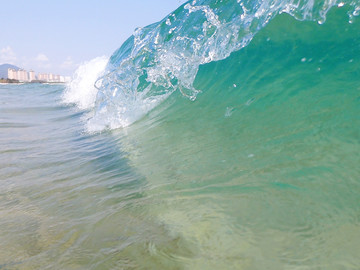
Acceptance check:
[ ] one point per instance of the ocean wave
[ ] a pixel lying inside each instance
(165, 56)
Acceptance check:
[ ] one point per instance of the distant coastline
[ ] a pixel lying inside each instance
(13, 81)
(13, 74)
(8, 81)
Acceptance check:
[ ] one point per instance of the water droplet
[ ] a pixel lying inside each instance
(351, 19)
(115, 91)
(356, 11)
(249, 101)
(229, 111)
(303, 59)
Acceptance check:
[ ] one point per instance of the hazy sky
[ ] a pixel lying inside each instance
(57, 36)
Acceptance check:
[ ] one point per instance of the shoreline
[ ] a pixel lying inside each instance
(20, 83)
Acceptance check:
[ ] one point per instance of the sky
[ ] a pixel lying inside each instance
(57, 36)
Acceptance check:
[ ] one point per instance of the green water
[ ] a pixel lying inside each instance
(261, 171)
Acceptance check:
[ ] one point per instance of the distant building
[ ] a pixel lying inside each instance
(20, 75)
(43, 77)
(24, 76)
(12, 74)
(32, 76)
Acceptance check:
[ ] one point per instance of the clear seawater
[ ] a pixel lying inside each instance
(241, 153)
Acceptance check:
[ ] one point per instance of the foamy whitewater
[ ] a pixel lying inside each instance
(225, 136)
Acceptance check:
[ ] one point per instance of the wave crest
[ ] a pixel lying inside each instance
(165, 56)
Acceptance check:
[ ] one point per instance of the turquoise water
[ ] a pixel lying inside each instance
(241, 153)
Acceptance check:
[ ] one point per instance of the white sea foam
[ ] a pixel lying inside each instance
(81, 90)
(126, 112)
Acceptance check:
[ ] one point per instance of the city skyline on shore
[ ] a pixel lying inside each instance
(23, 75)
(13, 72)
(59, 36)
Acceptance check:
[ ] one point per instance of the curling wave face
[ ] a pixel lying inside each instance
(165, 56)
(260, 172)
